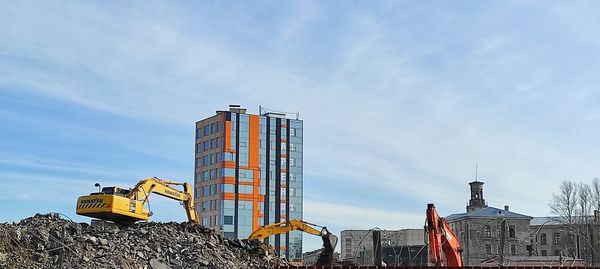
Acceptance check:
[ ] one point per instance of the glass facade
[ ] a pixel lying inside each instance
(248, 173)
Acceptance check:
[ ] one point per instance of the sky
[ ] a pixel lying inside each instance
(400, 99)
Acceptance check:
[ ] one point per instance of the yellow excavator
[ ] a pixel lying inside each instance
(329, 239)
(126, 206)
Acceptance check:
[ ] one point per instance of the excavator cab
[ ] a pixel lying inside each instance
(112, 204)
(114, 190)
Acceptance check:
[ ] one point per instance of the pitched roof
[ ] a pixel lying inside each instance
(488, 212)
(546, 220)
(557, 220)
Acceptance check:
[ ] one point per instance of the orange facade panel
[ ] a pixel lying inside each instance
(229, 180)
(253, 164)
(242, 196)
(229, 164)
(227, 133)
(254, 141)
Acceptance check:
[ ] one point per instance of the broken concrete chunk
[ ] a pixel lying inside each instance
(103, 241)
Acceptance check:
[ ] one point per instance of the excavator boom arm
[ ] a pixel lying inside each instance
(284, 227)
(442, 240)
(142, 190)
(329, 240)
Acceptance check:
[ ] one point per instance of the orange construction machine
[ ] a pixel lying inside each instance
(444, 247)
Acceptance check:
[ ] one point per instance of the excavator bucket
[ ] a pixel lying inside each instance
(326, 256)
(329, 241)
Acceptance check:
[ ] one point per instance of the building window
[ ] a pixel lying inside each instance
(487, 231)
(557, 252)
(488, 249)
(213, 128)
(228, 220)
(511, 232)
(543, 240)
(206, 145)
(245, 189)
(229, 188)
(556, 238)
(544, 252)
(513, 250)
(229, 172)
(206, 130)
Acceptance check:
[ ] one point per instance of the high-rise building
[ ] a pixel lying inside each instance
(248, 173)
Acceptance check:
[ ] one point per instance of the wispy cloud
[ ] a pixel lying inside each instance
(358, 217)
(395, 100)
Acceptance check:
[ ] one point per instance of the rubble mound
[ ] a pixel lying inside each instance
(48, 241)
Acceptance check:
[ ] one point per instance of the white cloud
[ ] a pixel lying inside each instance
(407, 107)
(357, 217)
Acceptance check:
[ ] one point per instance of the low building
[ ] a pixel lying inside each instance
(486, 232)
(357, 245)
(580, 239)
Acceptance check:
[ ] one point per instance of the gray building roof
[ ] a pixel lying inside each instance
(488, 212)
(545, 220)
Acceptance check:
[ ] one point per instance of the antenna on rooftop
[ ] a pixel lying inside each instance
(475, 172)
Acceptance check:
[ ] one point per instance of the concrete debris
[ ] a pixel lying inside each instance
(48, 241)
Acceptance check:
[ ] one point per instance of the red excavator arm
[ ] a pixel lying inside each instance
(442, 240)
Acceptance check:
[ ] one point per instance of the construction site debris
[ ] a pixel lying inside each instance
(48, 241)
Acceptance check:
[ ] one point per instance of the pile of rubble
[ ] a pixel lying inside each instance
(48, 241)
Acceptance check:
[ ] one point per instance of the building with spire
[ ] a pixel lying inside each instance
(488, 232)
(476, 201)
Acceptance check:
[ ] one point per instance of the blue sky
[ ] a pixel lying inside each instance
(400, 99)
